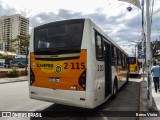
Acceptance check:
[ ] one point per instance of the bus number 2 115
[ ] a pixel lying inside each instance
(75, 65)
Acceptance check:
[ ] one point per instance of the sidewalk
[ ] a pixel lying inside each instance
(16, 79)
(144, 100)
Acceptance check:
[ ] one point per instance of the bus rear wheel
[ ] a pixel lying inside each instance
(114, 89)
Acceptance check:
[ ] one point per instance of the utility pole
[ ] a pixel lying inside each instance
(148, 54)
(143, 39)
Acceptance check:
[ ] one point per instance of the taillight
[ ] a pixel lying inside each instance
(32, 77)
(82, 80)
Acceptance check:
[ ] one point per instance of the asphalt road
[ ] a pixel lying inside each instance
(15, 97)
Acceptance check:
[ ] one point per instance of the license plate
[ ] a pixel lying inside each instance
(54, 79)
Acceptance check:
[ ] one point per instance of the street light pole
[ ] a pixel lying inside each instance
(148, 54)
(143, 54)
(143, 38)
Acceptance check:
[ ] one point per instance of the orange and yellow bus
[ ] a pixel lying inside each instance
(73, 62)
(133, 65)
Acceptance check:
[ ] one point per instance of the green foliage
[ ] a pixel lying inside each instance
(13, 73)
(20, 64)
(6, 56)
(21, 42)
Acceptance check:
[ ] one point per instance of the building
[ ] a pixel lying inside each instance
(156, 50)
(10, 28)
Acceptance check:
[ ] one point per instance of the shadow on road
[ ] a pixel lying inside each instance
(136, 76)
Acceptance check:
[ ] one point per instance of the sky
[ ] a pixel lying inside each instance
(110, 15)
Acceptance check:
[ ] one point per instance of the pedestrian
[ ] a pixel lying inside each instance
(155, 70)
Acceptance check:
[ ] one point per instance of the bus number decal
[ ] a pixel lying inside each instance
(82, 65)
(100, 67)
(75, 65)
(66, 66)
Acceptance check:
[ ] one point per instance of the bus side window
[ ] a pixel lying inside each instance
(120, 58)
(99, 47)
(117, 52)
(113, 55)
(123, 62)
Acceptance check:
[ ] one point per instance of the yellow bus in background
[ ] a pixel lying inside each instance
(73, 62)
(133, 65)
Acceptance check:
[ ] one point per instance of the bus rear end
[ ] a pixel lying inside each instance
(133, 65)
(58, 64)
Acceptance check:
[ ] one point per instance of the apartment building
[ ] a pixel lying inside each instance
(10, 28)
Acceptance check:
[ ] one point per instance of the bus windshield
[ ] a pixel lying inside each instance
(132, 60)
(58, 37)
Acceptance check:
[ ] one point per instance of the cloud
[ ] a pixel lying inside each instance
(119, 29)
(43, 18)
(119, 24)
(7, 10)
(114, 26)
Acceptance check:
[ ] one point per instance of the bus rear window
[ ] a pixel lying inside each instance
(58, 37)
(132, 60)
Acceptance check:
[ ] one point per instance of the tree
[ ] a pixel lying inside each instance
(6, 57)
(21, 44)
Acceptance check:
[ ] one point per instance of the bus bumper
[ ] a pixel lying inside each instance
(65, 97)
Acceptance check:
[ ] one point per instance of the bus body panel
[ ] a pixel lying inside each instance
(31, 45)
(88, 37)
(62, 74)
(88, 43)
(58, 96)
(121, 76)
(116, 70)
(95, 78)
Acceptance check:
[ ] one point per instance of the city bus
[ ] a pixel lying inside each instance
(73, 62)
(133, 65)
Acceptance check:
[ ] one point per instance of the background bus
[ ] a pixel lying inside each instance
(133, 65)
(16, 62)
(73, 62)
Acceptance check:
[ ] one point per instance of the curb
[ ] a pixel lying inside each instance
(143, 104)
(13, 81)
(140, 100)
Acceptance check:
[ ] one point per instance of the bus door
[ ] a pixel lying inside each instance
(107, 61)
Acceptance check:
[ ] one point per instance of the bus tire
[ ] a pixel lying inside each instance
(127, 78)
(114, 88)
